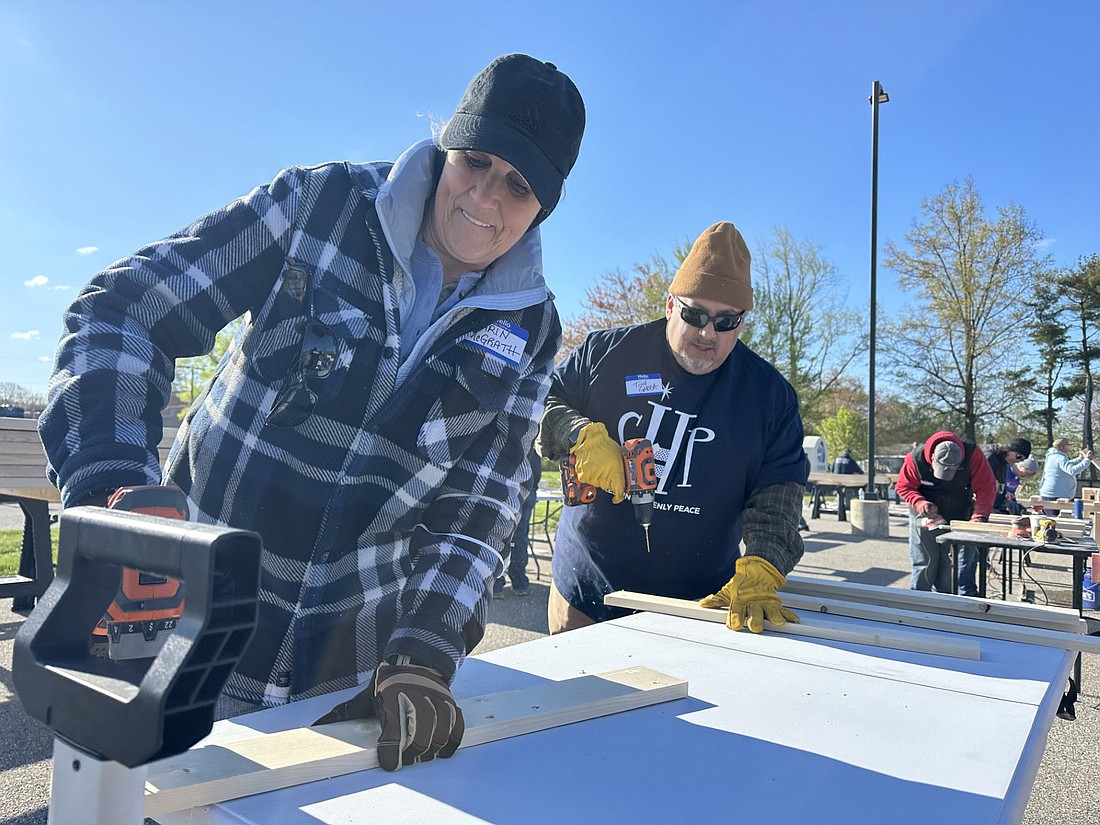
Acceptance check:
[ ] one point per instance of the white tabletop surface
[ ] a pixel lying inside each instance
(776, 728)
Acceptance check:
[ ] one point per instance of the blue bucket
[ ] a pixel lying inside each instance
(1089, 592)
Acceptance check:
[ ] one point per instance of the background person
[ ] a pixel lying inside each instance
(521, 540)
(373, 416)
(947, 478)
(1060, 472)
(1001, 460)
(727, 436)
(845, 464)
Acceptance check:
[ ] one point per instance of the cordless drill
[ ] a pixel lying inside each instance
(147, 607)
(640, 470)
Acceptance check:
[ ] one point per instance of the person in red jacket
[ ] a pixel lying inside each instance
(946, 479)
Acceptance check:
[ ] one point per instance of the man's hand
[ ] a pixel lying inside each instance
(600, 460)
(420, 718)
(927, 508)
(751, 597)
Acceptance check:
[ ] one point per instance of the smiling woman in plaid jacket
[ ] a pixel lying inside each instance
(373, 416)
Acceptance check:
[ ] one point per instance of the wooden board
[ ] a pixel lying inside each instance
(1069, 530)
(952, 624)
(216, 773)
(1028, 615)
(814, 626)
(1064, 504)
(809, 608)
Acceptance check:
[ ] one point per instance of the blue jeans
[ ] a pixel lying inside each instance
(521, 539)
(932, 561)
(968, 569)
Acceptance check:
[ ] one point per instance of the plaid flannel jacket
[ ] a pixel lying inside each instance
(385, 513)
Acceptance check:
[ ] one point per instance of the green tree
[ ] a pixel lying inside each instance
(1079, 288)
(1050, 334)
(194, 374)
(617, 299)
(799, 322)
(845, 429)
(955, 347)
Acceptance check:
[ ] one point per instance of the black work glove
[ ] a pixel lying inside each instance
(419, 716)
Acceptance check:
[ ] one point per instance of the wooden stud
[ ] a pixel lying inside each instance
(216, 773)
(907, 618)
(953, 624)
(925, 601)
(811, 625)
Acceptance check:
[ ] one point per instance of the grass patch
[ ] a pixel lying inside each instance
(11, 545)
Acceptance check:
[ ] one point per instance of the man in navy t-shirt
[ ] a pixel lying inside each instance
(727, 437)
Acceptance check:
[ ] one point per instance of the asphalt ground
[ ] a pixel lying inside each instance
(1067, 786)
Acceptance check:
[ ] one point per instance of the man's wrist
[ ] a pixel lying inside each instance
(575, 434)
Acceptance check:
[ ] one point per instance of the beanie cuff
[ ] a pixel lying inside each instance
(708, 287)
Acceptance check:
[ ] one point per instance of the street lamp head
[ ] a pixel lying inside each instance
(880, 93)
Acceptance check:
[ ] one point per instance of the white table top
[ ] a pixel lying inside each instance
(804, 730)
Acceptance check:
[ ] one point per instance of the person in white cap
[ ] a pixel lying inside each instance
(946, 479)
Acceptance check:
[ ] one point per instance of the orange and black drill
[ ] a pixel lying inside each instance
(147, 607)
(640, 469)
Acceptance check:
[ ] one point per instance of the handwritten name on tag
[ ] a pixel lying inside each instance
(644, 385)
(502, 339)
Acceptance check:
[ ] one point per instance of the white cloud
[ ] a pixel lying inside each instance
(46, 359)
(87, 250)
(29, 335)
(1046, 243)
(37, 280)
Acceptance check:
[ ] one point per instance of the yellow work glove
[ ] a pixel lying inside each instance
(751, 597)
(600, 460)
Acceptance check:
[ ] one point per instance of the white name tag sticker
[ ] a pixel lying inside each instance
(644, 385)
(502, 339)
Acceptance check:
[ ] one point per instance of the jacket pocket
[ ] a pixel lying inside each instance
(273, 343)
(470, 400)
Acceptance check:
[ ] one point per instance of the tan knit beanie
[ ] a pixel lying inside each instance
(718, 268)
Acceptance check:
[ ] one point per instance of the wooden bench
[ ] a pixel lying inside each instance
(23, 482)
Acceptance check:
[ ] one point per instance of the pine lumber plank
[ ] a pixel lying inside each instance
(1029, 615)
(1062, 504)
(809, 607)
(811, 625)
(976, 527)
(952, 624)
(217, 773)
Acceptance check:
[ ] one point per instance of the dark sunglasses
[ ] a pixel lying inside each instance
(296, 400)
(723, 322)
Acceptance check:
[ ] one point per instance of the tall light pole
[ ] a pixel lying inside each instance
(878, 96)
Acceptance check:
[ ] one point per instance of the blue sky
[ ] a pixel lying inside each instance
(123, 121)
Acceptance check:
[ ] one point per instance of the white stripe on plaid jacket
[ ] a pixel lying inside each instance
(384, 515)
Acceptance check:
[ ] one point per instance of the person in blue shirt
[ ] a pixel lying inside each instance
(727, 437)
(1060, 472)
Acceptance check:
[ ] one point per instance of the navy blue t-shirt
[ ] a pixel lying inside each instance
(716, 437)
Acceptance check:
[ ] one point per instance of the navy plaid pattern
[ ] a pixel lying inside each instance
(386, 512)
